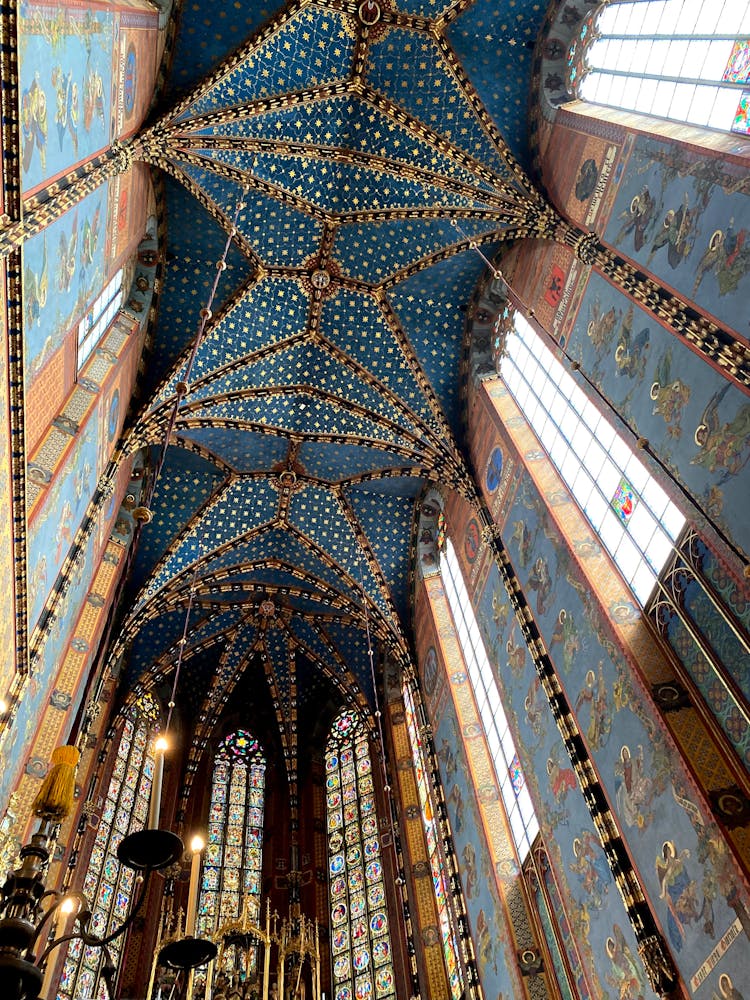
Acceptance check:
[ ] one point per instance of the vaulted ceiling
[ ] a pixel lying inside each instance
(354, 152)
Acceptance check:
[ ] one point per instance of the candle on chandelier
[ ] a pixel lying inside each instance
(196, 846)
(155, 805)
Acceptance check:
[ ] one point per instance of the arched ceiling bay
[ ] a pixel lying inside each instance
(349, 155)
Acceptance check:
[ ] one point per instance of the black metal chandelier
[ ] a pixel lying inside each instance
(34, 919)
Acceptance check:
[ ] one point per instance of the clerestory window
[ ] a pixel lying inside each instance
(684, 60)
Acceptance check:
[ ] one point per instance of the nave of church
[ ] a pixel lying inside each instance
(376, 597)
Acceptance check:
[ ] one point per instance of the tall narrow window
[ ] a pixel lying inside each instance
(437, 868)
(234, 855)
(632, 515)
(108, 885)
(360, 939)
(97, 319)
(687, 60)
(515, 794)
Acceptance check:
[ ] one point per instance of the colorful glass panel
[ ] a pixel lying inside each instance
(107, 885)
(624, 500)
(516, 774)
(233, 859)
(356, 884)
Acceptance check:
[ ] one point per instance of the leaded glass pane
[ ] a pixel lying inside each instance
(106, 885)
(625, 56)
(357, 893)
(494, 723)
(233, 858)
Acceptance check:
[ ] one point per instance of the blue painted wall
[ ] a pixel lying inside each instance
(689, 878)
(65, 63)
(696, 422)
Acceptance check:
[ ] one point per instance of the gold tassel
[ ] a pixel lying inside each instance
(55, 798)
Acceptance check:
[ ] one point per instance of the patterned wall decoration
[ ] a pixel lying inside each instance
(695, 421)
(684, 215)
(64, 268)
(7, 573)
(460, 749)
(696, 893)
(414, 842)
(66, 87)
(40, 684)
(53, 529)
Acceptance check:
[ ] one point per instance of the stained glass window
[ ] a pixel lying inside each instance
(686, 60)
(107, 885)
(361, 958)
(631, 514)
(233, 857)
(524, 825)
(439, 877)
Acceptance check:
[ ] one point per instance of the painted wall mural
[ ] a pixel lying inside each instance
(694, 887)
(40, 683)
(476, 866)
(683, 213)
(7, 563)
(53, 529)
(65, 63)
(695, 421)
(64, 268)
(685, 216)
(592, 907)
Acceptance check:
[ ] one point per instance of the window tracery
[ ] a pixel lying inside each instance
(437, 868)
(108, 885)
(233, 857)
(361, 957)
(685, 60)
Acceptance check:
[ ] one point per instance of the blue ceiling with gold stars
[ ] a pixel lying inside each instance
(361, 156)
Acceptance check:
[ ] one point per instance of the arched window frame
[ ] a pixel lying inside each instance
(108, 885)
(432, 835)
(649, 56)
(361, 952)
(629, 512)
(514, 791)
(233, 858)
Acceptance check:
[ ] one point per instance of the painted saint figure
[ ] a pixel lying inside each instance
(634, 790)
(561, 779)
(33, 124)
(676, 234)
(678, 890)
(626, 976)
(594, 694)
(727, 989)
(591, 867)
(66, 114)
